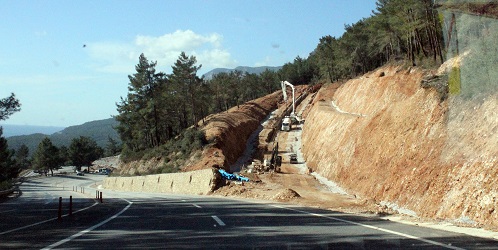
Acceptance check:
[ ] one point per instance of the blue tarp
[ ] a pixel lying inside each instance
(231, 177)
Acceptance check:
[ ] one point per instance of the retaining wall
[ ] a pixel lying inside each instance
(194, 182)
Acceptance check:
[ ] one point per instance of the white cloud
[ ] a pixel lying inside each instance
(122, 57)
(265, 62)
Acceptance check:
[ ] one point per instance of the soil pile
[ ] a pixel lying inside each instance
(230, 130)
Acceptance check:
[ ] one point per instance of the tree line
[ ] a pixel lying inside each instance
(408, 30)
(81, 152)
(159, 107)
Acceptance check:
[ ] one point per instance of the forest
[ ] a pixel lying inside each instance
(159, 107)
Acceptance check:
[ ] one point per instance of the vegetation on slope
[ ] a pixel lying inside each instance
(159, 106)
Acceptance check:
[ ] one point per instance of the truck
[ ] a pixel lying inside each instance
(286, 124)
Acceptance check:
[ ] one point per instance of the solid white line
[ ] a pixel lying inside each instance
(50, 200)
(74, 236)
(45, 221)
(220, 222)
(8, 211)
(375, 228)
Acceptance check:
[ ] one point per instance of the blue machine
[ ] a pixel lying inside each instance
(228, 176)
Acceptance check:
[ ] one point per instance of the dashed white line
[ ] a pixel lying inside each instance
(197, 206)
(375, 228)
(220, 222)
(7, 211)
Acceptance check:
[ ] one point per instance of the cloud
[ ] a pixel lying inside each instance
(120, 57)
(265, 62)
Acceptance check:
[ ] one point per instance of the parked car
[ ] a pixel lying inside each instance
(293, 158)
(79, 173)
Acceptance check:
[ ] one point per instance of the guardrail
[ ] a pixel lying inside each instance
(15, 186)
(5, 193)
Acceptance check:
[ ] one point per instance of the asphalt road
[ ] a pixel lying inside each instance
(139, 220)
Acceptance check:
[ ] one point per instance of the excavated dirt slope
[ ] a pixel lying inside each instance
(230, 130)
(382, 137)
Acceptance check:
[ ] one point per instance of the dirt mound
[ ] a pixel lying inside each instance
(230, 130)
(286, 195)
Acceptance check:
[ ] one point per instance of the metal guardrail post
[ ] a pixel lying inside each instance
(59, 217)
(70, 205)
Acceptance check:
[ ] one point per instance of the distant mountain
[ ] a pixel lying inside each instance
(250, 70)
(13, 130)
(99, 130)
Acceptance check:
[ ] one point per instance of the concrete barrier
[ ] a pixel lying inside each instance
(194, 182)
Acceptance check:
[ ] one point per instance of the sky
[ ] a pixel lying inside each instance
(68, 61)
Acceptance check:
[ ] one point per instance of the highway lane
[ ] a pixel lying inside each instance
(139, 220)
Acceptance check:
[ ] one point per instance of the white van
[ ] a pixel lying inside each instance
(286, 124)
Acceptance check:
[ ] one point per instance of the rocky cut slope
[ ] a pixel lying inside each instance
(383, 137)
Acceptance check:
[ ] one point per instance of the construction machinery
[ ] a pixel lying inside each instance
(293, 117)
(284, 92)
(286, 124)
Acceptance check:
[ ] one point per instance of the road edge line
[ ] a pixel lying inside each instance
(373, 227)
(45, 221)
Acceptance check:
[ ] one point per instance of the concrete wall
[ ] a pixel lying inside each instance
(194, 182)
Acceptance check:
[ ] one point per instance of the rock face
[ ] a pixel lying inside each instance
(383, 137)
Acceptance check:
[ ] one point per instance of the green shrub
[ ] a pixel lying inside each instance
(174, 152)
(4, 185)
(454, 81)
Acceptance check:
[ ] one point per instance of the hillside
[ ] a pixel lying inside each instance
(228, 131)
(14, 130)
(99, 130)
(389, 143)
(395, 143)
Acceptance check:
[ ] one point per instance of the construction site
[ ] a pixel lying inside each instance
(378, 144)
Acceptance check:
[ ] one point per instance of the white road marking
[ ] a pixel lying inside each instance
(45, 221)
(74, 236)
(197, 206)
(375, 228)
(7, 211)
(220, 222)
(49, 200)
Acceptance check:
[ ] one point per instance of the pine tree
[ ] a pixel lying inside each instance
(185, 80)
(139, 113)
(22, 157)
(8, 168)
(83, 151)
(9, 106)
(46, 156)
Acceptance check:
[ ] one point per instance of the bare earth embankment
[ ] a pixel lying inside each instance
(393, 146)
(408, 150)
